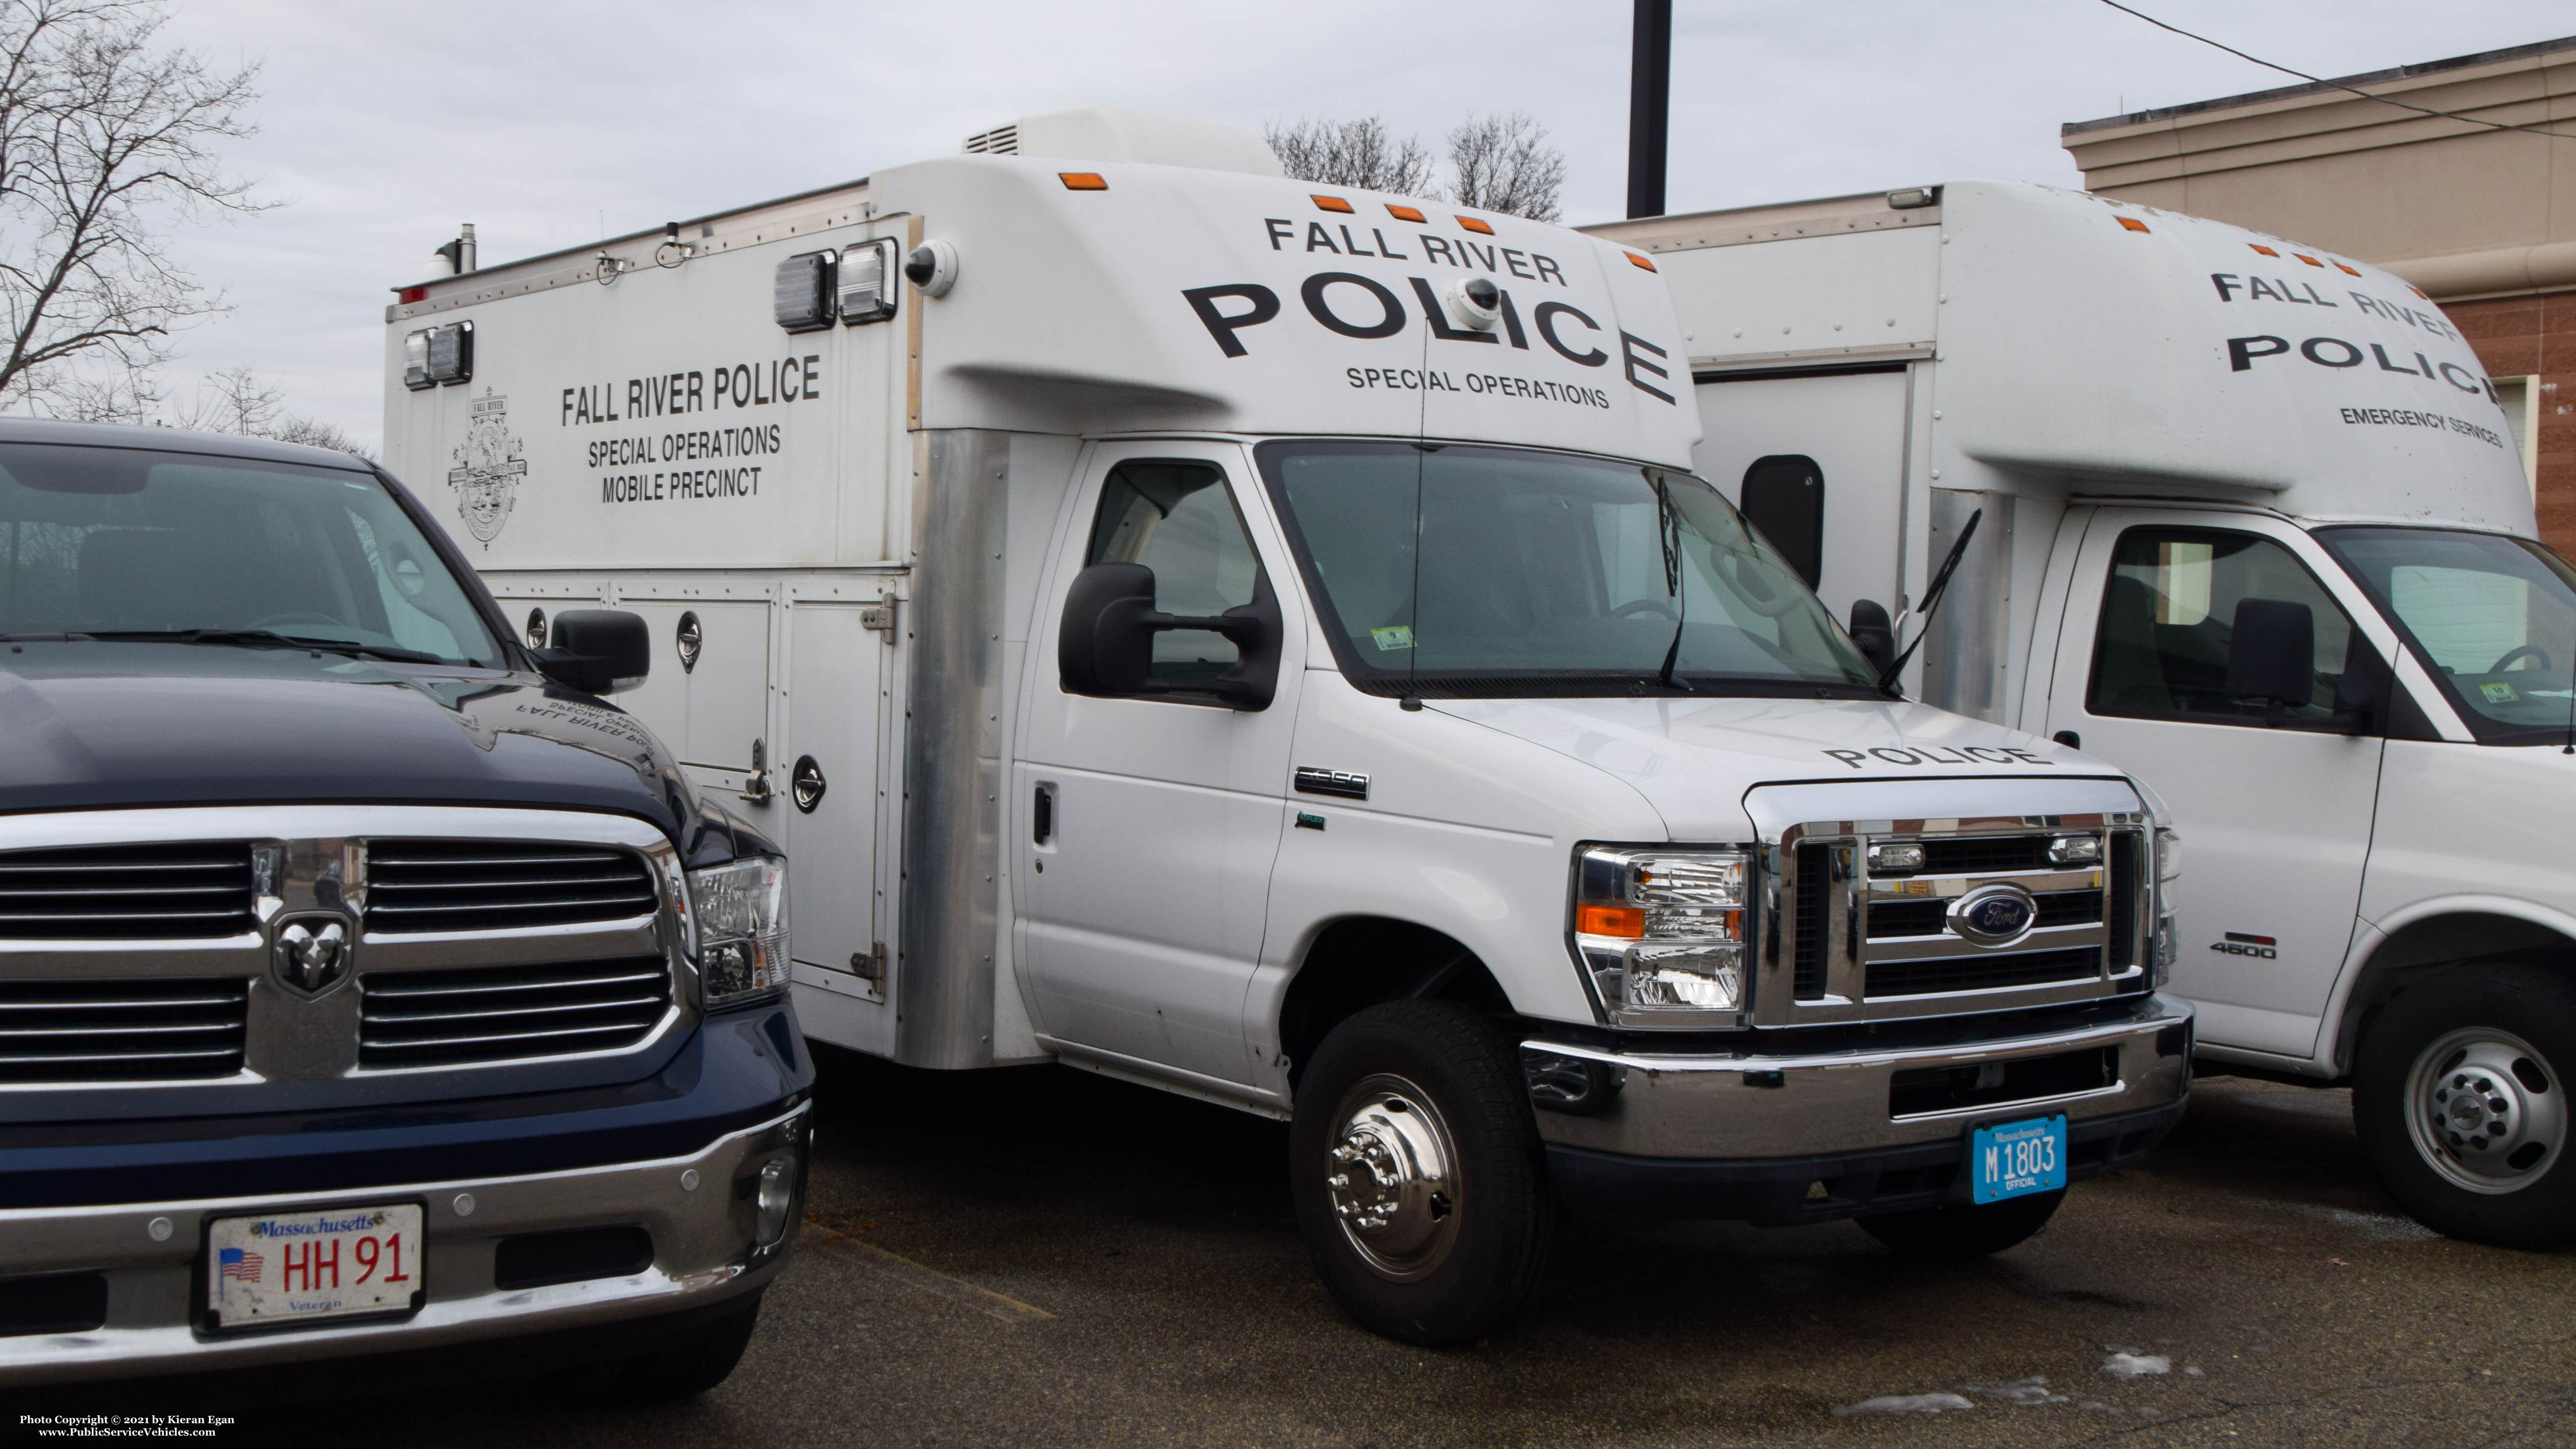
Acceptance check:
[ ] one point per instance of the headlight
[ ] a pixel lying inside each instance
(1661, 933)
(738, 929)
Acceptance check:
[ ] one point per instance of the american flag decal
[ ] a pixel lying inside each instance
(239, 1265)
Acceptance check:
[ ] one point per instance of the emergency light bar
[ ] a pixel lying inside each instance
(804, 296)
(438, 356)
(869, 285)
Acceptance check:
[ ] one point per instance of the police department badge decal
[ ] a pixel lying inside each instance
(489, 465)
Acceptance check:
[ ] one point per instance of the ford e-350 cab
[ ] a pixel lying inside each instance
(366, 980)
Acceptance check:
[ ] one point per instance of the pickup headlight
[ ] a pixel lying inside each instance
(2167, 941)
(1661, 933)
(738, 929)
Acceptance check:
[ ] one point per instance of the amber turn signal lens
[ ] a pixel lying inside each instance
(1405, 213)
(1627, 921)
(1083, 180)
(1332, 203)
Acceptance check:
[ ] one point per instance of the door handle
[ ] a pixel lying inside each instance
(1042, 815)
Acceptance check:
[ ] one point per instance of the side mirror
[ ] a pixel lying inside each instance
(1105, 644)
(1871, 630)
(597, 651)
(2272, 652)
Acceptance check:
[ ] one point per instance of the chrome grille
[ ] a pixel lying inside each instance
(491, 885)
(504, 1013)
(126, 892)
(112, 1030)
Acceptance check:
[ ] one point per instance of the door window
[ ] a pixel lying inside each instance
(2168, 616)
(1784, 497)
(1178, 519)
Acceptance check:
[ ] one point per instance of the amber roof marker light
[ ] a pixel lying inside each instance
(1333, 203)
(1481, 228)
(1640, 263)
(2132, 223)
(1083, 180)
(1406, 213)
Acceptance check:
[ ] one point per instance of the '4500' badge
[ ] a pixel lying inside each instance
(488, 469)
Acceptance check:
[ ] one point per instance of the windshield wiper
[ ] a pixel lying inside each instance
(1668, 537)
(267, 639)
(1932, 601)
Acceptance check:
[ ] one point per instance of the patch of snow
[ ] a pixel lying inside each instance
(2018, 1391)
(2134, 1366)
(1904, 1404)
(2193, 1370)
(2379, 1227)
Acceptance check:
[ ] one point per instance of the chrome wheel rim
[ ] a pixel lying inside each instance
(1392, 1177)
(2486, 1110)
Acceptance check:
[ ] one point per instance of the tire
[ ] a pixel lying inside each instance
(687, 1367)
(1417, 1173)
(1955, 1234)
(2459, 1098)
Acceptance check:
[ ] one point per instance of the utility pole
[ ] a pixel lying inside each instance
(1650, 112)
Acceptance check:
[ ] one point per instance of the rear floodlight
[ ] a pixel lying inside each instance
(803, 300)
(438, 355)
(1908, 198)
(869, 282)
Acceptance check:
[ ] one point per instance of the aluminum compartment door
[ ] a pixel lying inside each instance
(835, 719)
(1852, 425)
(711, 715)
(2276, 822)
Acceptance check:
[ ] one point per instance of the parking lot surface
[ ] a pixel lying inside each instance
(1040, 1257)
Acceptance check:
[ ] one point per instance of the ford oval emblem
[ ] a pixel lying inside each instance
(1994, 915)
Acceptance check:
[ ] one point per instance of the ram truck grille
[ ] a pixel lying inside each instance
(416, 886)
(503, 1013)
(127, 893)
(122, 1030)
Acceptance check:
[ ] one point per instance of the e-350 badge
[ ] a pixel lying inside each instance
(488, 468)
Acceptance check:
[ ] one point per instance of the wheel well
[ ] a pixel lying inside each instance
(1363, 960)
(2423, 947)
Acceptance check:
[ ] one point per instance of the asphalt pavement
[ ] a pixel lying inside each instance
(1040, 1257)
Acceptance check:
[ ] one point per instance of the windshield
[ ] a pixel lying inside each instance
(127, 543)
(1472, 571)
(2493, 618)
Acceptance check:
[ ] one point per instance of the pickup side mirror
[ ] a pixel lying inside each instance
(1105, 645)
(2272, 652)
(1871, 630)
(597, 651)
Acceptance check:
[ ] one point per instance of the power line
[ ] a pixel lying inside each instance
(2321, 80)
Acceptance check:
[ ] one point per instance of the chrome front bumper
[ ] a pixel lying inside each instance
(1756, 1104)
(150, 1253)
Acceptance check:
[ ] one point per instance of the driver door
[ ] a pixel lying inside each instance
(1146, 827)
(2275, 807)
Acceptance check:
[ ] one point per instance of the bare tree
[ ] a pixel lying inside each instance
(236, 400)
(1503, 163)
(1359, 153)
(103, 140)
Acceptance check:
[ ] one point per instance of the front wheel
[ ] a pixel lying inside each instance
(2458, 1098)
(1952, 1234)
(1418, 1177)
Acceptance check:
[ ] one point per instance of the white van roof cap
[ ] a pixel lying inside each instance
(1115, 133)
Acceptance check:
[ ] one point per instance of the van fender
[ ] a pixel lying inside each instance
(2425, 934)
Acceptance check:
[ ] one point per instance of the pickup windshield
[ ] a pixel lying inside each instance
(2493, 618)
(119, 544)
(1466, 571)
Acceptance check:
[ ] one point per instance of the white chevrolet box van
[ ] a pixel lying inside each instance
(2255, 527)
(1265, 641)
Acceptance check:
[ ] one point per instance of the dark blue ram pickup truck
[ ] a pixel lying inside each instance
(367, 981)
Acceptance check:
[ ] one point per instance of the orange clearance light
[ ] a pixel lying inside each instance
(2311, 261)
(1635, 260)
(2267, 251)
(2418, 291)
(1478, 227)
(2347, 271)
(1405, 213)
(2132, 223)
(1083, 180)
(1628, 921)
(1332, 203)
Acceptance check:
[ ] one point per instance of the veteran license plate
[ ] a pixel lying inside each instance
(2014, 1158)
(298, 1267)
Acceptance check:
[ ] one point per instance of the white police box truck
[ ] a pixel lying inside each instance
(2254, 527)
(1263, 641)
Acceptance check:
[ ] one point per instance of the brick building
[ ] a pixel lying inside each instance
(2483, 220)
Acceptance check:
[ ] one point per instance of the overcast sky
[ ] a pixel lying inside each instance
(385, 126)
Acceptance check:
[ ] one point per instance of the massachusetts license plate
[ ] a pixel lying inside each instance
(2018, 1157)
(303, 1266)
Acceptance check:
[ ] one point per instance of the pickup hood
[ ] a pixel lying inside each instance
(109, 725)
(1694, 760)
